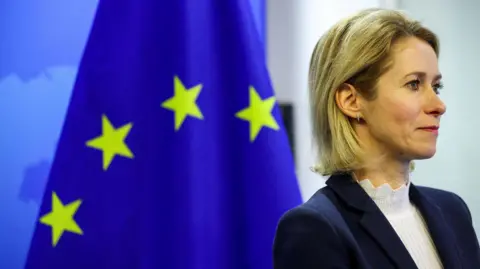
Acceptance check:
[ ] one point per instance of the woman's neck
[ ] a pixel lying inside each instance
(395, 174)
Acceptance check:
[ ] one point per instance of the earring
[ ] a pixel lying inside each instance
(358, 117)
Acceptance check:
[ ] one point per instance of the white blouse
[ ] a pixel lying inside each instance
(407, 221)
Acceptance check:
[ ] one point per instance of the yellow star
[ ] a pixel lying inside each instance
(183, 102)
(61, 218)
(111, 142)
(259, 114)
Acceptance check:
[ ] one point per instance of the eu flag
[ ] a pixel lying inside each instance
(173, 154)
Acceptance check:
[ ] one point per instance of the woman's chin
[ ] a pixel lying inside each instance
(425, 153)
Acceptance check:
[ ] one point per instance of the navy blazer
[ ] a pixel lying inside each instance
(341, 227)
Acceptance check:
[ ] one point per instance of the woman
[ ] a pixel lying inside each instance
(374, 83)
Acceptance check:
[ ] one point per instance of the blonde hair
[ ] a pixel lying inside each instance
(356, 51)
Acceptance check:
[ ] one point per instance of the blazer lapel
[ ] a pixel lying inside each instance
(372, 220)
(381, 230)
(441, 234)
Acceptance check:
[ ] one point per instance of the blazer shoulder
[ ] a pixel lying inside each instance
(306, 231)
(448, 201)
(318, 209)
(430, 191)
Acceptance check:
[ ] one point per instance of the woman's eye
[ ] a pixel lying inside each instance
(437, 87)
(414, 84)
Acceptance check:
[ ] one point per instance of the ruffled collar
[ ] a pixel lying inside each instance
(391, 202)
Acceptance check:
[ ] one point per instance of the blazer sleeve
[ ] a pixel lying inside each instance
(305, 239)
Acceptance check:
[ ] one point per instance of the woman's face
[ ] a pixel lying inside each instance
(404, 118)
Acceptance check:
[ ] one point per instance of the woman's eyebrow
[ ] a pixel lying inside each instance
(423, 75)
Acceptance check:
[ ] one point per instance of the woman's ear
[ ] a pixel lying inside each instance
(349, 101)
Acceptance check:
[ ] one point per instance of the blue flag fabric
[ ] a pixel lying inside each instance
(173, 153)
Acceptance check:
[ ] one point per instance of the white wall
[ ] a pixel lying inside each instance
(454, 167)
(293, 28)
